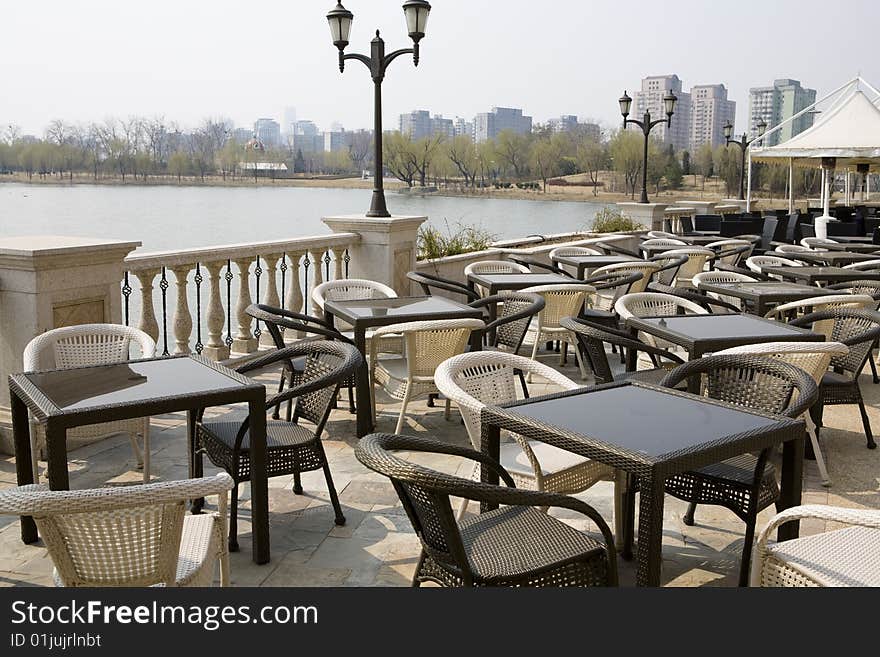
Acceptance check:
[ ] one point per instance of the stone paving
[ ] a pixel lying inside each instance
(377, 547)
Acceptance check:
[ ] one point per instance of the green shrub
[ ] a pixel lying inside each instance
(434, 243)
(612, 220)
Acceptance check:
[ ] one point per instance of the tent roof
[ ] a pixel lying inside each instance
(850, 131)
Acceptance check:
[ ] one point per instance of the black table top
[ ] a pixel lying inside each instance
(595, 260)
(700, 240)
(379, 312)
(134, 383)
(833, 258)
(518, 281)
(853, 247)
(635, 422)
(817, 274)
(775, 290)
(708, 333)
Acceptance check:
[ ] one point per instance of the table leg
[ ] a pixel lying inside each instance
(490, 445)
(56, 448)
(364, 394)
(259, 480)
(21, 432)
(792, 484)
(629, 516)
(194, 457)
(650, 549)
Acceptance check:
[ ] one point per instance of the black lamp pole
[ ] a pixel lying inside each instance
(646, 124)
(377, 62)
(743, 144)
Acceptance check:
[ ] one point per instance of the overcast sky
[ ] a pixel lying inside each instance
(86, 60)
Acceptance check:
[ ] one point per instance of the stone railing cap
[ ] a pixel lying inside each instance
(49, 245)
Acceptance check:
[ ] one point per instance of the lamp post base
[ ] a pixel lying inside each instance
(377, 205)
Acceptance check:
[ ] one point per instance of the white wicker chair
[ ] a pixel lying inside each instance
(721, 277)
(728, 244)
(865, 265)
(757, 263)
(569, 251)
(646, 269)
(129, 535)
(655, 304)
(813, 358)
(81, 346)
(560, 301)
(826, 302)
(697, 258)
(662, 241)
(791, 248)
(816, 243)
(661, 235)
(352, 289)
(493, 267)
(476, 380)
(835, 558)
(427, 345)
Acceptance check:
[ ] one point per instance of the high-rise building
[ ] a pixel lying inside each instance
(462, 127)
(710, 112)
(419, 124)
(591, 130)
(564, 123)
(488, 125)
(289, 124)
(306, 137)
(779, 103)
(442, 127)
(334, 140)
(650, 99)
(242, 135)
(268, 131)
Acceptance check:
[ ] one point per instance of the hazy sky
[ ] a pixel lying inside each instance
(85, 60)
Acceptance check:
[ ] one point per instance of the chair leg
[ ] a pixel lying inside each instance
(534, 356)
(748, 541)
(415, 580)
(688, 517)
(817, 451)
(403, 406)
(629, 518)
(869, 437)
(873, 367)
(334, 498)
(619, 522)
(446, 412)
(351, 408)
(35, 456)
(522, 382)
(579, 360)
(297, 484)
(563, 353)
(233, 519)
(462, 508)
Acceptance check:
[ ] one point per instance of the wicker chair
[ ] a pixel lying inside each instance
(515, 312)
(709, 304)
(728, 251)
(428, 344)
(745, 484)
(591, 343)
(721, 277)
(129, 535)
(813, 358)
(431, 282)
(531, 264)
(290, 447)
(662, 241)
(647, 269)
(838, 558)
(352, 289)
(661, 235)
(516, 545)
(655, 304)
(81, 346)
(697, 259)
(560, 301)
(476, 380)
(278, 320)
(667, 268)
(858, 330)
(493, 267)
(863, 287)
(757, 263)
(826, 302)
(793, 249)
(816, 243)
(865, 265)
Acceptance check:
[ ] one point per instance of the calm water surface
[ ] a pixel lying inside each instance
(169, 217)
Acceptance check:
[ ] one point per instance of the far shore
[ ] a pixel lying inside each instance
(713, 192)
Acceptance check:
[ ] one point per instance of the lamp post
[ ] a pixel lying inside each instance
(339, 18)
(647, 125)
(744, 144)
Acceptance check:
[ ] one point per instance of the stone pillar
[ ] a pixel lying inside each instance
(702, 207)
(386, 250)
(48, 282)
(649, 215)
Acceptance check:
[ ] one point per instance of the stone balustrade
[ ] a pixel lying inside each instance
(672, 218)
(195, 300)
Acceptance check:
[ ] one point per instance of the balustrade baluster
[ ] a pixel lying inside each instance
(294, 299)
(182, 319)
(126, 294)
(244, 342)
(271, 298)
(148, 323)
(163, 286)
(337, 263)
(318, 278)
(215, 348)
(198, 281)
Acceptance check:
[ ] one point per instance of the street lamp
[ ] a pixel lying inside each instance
(340, 19)
(744, 144)
(647, 125)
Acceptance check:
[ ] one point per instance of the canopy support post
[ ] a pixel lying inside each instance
(790, 186)
(749, 193)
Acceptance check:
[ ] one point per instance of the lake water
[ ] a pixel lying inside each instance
(169, 217)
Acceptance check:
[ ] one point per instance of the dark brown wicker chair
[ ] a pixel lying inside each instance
(516, 545)
(290, 447)
(430, 282)
(711, 304)
(669, 266)
(858, 330)
(591, 342)
(533, 264)
(863, 287)
(508, 330)
(279, 320)
(745, 484)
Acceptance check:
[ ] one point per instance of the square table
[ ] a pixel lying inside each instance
(815, 275)
(702, 334)
(853, 247)
(365, 314)
(585, 262)
(651, 433)
(832, 258)
(63, 399)
(700, 240)
(764, 294)
(495, 283)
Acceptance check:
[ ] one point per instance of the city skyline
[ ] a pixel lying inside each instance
(117, 60)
